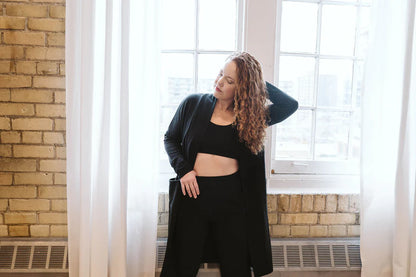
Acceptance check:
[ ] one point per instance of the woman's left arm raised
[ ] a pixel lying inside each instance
(283, 105)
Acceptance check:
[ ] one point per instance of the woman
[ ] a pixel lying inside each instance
(217, 203)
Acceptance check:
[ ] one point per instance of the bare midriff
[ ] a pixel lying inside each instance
(214, 165)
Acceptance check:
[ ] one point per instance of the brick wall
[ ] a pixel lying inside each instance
(295, 215)
(32, 119)
(32, 139)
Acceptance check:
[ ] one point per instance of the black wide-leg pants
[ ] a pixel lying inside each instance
(219, 207)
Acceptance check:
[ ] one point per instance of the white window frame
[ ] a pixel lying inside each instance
(165, 169)
(291, 176)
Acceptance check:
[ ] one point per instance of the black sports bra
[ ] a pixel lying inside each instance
(220, 140)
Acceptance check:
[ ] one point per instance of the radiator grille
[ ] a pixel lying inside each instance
(354, 255)
(278, 255)
(6, 256)
(33, 256)
(22, 257)
(340, 254)
(324, 256)
(309, 254)
(292, 254)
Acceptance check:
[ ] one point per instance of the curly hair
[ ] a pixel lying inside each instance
(249, 101)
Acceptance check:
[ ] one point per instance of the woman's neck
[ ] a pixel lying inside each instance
(223, 106)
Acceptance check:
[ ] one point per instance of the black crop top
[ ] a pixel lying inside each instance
(220, 140)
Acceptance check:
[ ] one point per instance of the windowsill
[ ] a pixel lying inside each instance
(296, 184)
(313, 184)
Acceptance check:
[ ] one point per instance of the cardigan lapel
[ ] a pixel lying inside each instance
(203, 114)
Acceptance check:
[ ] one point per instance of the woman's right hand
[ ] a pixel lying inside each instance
(188, 182)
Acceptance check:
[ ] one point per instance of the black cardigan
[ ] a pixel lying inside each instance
(181, 143)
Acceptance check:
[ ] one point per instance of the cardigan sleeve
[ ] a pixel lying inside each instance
(173, 138)
(283, 105)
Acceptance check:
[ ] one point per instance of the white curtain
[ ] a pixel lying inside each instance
(112, 113)
(388, 157)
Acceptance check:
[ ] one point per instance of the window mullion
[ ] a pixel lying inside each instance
(177, 51)
(353, 88)
(276, 76)
(331, 2)
(199, 51)
(240, 24)
(324, 56)
(316, 76)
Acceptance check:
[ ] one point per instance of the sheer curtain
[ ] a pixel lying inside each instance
(112, 136)
(388, 158)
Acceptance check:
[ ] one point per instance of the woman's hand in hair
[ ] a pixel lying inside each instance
(188, 182)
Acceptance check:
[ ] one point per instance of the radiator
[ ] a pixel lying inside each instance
(289, 254)
(28, 255)
(299, 254)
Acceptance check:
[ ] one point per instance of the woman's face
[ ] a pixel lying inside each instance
(225, 84)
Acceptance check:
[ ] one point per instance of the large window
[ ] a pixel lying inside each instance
(322, 46)
(313, 50)
(197, 35)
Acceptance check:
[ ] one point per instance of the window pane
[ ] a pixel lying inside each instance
(355, 137)
(298, 27)
(358, 81)
(296, 78)
(363, 32)
(217, 24)
(331, 142)
(338, 30)
(209, 67)
(293, 136)
(178, 24)
(334, 83)
(177, 77)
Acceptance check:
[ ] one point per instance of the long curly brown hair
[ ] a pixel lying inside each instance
(249, 101)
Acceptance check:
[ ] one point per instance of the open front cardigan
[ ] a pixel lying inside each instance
(182, 143)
